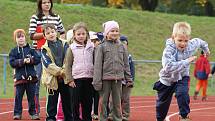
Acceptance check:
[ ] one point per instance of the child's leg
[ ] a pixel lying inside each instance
(30, 91)
(164, 94)
(182, 95)
(103, 99)
(116, 99)
(86, 100)
(96, 102)
(204, 90)
(198, 85)
(75, 100)
(20, 89)
(51, 105)
(65, 92)
(125, 102)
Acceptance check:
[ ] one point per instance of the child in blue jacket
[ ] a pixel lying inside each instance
(23, 59)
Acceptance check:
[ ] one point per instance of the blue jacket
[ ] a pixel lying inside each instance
(22, 70)
(175, 64)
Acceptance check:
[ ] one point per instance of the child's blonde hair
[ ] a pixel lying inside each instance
(17, 33)
(78, 26)
(181, 28)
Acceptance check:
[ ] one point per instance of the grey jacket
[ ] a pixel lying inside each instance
(111, 63)
(175, 64)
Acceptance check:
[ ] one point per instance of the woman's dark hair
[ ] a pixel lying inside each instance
(40, 11)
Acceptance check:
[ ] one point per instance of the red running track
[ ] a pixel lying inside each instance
(142, 109)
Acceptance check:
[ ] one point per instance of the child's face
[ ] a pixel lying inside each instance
(181, 41)
(96, 42)
(80, 35)
(50, 34)
(46, 5)
(20, 39)
(113, 34)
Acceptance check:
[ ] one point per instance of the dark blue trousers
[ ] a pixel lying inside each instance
(30, 91)
(165, 94)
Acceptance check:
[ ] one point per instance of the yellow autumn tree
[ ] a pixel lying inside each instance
(116, 3)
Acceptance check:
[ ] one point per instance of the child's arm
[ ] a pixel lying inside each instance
(97, 76)
(50, 66)
(15, 63)
(199, 43)
(132, 67)
(127, 72)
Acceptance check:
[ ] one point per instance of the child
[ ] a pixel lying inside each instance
(53, 53)
(94, 38)
(22, 59)
(110, 68)
(174, 74)
(43, 16)
(79, 72)
(125, 98)
(201, 72)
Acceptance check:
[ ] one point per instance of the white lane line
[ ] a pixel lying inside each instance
(198, 109)
(12, 111)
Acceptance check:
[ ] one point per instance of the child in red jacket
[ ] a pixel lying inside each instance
(201, 72)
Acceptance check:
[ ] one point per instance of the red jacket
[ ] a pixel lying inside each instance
(202, 65)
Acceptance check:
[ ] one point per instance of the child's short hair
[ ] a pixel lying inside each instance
(18, 33)
(48, 26)
(78, 26)
(182, 28)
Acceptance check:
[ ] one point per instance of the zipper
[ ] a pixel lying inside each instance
(23, 55)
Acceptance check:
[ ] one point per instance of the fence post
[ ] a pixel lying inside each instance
(5, 73)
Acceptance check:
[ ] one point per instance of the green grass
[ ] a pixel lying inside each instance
(146, 31)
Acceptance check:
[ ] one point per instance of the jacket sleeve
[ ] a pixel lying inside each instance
(50, 66)
(68, 66)
(127, 72)
(195, 69)
(207, 67)
(132, 67)
(199, 43)
(15, 63)
(98, 68)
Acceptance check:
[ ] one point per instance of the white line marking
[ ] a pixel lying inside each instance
(12, 111)
(198, 109)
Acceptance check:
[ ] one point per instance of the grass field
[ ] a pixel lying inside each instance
(146, 32)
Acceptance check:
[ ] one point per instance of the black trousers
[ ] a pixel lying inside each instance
(52, 101)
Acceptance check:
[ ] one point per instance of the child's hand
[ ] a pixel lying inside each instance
(72, 84)
(192, 58)
(27, 60)
(129, 84)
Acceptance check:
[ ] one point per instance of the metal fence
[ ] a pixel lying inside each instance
(145, 69)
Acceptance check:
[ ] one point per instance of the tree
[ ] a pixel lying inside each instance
(148, 5)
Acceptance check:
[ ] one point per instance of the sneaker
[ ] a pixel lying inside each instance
(95, 117)
(184, 119)
(17, 117)
(204, 98)
(35, 117)
(195, 95)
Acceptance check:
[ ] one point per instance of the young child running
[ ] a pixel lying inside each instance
(53, 53)
(201, 72)
(23, 59)
(174, 74)
(110, 68)
(79, 72)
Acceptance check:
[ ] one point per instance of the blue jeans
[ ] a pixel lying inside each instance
(165, 94)
(30, 91)
(38, 69)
